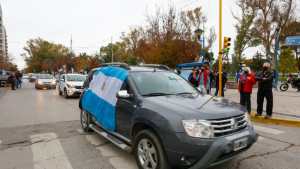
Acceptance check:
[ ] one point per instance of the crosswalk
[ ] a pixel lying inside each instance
(48, 152)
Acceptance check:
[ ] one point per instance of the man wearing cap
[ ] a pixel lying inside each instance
(265, 81)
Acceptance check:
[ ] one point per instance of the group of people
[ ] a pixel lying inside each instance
(248, 79)
(204, 79)
(15, 80)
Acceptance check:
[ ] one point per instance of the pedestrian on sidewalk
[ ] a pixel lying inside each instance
(194, 77)
(224, 80)
(265, 84)
(246, 82)
(204, 80)
(19, 76)
(12, 80)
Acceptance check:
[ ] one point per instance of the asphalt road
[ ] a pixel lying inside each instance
(40, 130)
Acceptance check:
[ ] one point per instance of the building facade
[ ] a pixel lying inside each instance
(3, 43)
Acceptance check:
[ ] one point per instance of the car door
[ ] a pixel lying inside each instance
(125, 109)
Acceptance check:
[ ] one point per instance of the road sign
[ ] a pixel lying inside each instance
(292, 41)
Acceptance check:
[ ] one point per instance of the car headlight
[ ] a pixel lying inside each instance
(39, 82)
(53, 82)
(198, 128)
(248, 119)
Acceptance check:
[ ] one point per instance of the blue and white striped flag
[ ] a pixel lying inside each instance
(100, 99)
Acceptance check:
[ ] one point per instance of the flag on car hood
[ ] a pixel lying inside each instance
(100, 98)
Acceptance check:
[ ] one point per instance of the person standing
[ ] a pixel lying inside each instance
(19, 76)
(194, 77)
(204, 80)
(12, 80)
(246, 82)
(265, 84)
(224, 80)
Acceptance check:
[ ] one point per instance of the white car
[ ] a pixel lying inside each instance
(71, 84)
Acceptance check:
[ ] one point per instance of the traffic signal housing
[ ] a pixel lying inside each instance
(227, 44)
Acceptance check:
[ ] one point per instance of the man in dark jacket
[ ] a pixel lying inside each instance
(12, 80)
(194, 77)
(265, 84)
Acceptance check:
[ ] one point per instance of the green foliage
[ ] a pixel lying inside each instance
(287, 61)
(45, 56)
(42, 55)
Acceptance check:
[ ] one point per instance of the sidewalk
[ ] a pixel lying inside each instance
(286, 105)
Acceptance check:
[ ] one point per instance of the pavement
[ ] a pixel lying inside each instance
(285, 104)
(41, 130)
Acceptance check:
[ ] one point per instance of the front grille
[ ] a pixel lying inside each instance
(228, 126)
(78, 87)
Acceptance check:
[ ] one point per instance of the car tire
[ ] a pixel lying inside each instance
(148, 151)
(85, 121)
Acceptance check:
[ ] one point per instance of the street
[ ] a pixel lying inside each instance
(41, 130)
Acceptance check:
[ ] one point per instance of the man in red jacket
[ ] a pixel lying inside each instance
(246, 82)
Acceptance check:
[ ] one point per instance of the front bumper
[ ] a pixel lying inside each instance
(74, 92)
(45, 86)
(195, 153)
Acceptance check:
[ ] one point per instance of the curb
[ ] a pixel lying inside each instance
(276, 121)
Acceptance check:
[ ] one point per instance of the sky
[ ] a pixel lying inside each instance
(92, 23)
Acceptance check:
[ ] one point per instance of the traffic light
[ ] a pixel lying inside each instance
(227, 44)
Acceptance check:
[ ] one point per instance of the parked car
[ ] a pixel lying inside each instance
(3, 77)
(71, 84)
(162, 119)
(45, 81)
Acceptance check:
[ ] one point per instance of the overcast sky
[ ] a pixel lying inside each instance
(91, 22)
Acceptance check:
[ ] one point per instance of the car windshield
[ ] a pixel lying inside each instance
(161, 83)
(76, 78)
(44, 76)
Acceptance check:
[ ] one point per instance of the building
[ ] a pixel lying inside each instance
(3, 43)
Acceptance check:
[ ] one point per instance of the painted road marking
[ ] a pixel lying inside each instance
(48, 152)
(268, 130)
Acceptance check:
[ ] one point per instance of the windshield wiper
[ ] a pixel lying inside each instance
(157, 94)
(184, 93)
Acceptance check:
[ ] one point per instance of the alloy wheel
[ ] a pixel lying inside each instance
(147, 154)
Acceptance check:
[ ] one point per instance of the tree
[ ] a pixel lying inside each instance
(245, 20)
(42, 55)
(167, 38)
(271, 15)
(287, 61)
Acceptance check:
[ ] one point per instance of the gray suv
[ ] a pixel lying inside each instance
(166, 123)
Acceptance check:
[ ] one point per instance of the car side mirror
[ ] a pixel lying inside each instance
(123, 94)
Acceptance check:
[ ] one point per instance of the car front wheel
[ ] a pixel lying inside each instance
(148, 151)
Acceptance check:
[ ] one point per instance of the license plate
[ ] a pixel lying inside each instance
(240, 144)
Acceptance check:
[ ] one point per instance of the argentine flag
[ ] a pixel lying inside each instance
(101, 97)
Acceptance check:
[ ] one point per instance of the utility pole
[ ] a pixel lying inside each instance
(112, 51)
(220, 47)
(71, 44)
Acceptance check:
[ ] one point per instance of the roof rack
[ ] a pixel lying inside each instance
(116, 64)
(158, 66)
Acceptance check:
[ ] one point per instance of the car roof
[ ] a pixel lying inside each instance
(144, 69)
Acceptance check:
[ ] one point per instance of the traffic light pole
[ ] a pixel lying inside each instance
(220, 47)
